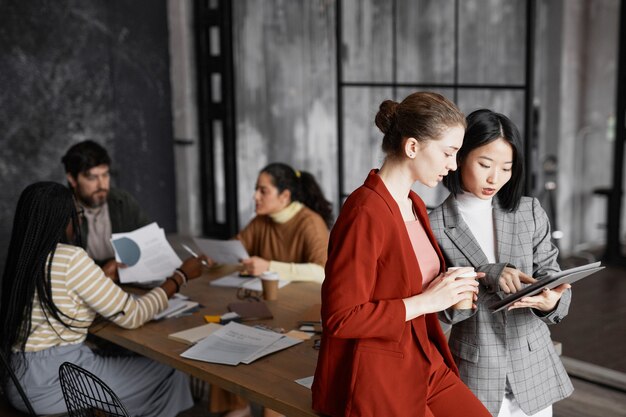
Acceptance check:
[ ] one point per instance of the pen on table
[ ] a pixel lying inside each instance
(195, 255)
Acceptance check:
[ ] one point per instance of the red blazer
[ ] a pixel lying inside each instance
(372, 362)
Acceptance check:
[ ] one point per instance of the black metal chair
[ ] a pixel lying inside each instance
(86, 395)
(20, 390)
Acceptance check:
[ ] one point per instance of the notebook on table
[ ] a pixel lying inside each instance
(251, 310)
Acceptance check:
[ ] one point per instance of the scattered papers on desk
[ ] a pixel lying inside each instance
(235, 281)
(222, 251)
(146, 253)
(236, 343)
(178, 304)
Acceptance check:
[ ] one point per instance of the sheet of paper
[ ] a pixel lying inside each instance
(235, 281)
(231, 344)
(195, 334)
(306, 382)
(255, 284)
(176, 305)
(222, 251)
(232, 280)
(146, 253)
(283, 343)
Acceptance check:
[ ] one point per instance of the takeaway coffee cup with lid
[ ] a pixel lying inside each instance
(270, 285)
(467, 302)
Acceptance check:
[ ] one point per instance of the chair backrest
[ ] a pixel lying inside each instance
(86, 395)
(5, 363)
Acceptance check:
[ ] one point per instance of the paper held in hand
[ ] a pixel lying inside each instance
(146, 253)
(568, 276)
(222, 251)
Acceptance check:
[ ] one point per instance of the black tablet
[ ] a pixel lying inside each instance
(564, 277)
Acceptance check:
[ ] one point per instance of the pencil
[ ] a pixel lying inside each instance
(195, 255)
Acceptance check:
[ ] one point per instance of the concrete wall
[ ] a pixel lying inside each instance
(71, 70)
(284, 52)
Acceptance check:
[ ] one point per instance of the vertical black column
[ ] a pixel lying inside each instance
(613, 252)
(216, 110)
(529, 113)
(339, 58)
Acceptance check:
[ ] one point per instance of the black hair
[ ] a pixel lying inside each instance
(44, 210)
(485, 126)
(303, 188)
(421, 115)
(83, 156)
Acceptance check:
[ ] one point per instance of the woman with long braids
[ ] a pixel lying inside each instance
(51, 293)
(289, 234)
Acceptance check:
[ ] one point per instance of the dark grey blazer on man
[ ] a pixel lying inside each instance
(491, 347)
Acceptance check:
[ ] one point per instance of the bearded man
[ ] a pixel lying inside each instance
(106, 210)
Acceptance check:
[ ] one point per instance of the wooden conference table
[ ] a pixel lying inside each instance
(268, 381)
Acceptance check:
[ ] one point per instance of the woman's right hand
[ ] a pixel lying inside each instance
(192, 266)
(511, 280)
(111, 270)
(442, 293)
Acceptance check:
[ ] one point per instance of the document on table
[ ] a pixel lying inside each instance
(223, 251)
(146, 253)
(306, 381)
(195, 334)
(236, 343)
(235, 281)
(178, 304)
(282, 343)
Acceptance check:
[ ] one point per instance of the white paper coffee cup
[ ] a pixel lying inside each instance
(466, 303)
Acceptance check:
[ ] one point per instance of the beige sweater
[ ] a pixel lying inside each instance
(295, 241)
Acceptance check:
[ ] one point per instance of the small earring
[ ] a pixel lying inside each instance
(412, 155)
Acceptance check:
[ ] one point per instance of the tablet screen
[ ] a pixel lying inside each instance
(564, 277)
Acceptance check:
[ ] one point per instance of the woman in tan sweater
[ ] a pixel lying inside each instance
(289, 234)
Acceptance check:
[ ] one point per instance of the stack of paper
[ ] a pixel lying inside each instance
(146, 253)
(236, 343)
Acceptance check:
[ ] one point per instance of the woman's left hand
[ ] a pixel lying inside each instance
(544, 301)
(255, 266)
(110, 269)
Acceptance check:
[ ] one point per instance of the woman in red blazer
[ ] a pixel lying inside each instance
(383, 352)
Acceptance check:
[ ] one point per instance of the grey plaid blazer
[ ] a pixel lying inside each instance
(491, 348)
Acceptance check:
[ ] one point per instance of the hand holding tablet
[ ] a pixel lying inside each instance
(568, 276)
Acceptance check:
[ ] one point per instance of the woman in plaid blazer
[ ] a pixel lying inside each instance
(506, 358)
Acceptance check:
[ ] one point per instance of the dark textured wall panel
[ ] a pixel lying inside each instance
(71, 70)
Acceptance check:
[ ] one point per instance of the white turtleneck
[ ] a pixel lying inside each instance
(478, 215)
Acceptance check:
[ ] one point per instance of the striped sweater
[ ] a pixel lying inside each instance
(81, 291)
